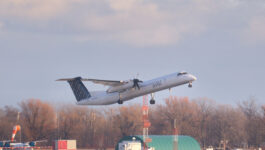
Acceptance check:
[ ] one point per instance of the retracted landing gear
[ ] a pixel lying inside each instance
(190, 85)
(152, 101)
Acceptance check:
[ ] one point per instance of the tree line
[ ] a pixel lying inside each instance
(209, 123)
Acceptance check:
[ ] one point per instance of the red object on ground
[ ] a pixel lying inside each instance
(62, 144)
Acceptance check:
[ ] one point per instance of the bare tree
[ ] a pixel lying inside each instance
(180, 109)
(38, 119)
(228, 124)
(83, 124)
(204, 113)
(253, 125)
(201, 118)
(263, 125)
(111, 129)
(128, 120)
(8, 118)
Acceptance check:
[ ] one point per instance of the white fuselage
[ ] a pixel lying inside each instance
(147, 87)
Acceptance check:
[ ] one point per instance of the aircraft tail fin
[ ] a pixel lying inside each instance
(78, 88)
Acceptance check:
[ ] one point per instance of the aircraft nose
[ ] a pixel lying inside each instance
(193, 77)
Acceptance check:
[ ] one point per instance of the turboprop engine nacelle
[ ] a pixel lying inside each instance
(121, 87)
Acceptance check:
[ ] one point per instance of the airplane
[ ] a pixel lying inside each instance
(120, 91)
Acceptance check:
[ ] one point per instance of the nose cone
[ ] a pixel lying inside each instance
(193, 77)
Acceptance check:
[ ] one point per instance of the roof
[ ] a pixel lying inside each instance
(166, 142)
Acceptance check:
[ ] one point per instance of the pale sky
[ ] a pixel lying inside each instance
(221, 42)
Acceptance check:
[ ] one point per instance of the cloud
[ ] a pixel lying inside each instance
(134, 22)
(150, 23)
(255, 31)
(144, 23)
(121, 5)
(1, 25)
(32, 9)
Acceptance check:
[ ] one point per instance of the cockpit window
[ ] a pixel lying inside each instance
(182, 73)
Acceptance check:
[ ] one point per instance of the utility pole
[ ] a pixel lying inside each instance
(58, 125)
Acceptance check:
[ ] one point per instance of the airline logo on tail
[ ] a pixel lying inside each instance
(79, 89)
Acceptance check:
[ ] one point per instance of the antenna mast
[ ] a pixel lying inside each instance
(146, 122)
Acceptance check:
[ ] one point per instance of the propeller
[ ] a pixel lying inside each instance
(136, 83)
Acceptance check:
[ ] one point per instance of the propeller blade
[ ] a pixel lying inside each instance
(135, 83)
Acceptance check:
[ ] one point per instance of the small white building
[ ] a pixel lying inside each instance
(130, 145)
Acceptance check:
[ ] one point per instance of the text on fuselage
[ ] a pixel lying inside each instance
(157, 83)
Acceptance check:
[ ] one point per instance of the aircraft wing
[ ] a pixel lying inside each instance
(106, 82)
(98, 81)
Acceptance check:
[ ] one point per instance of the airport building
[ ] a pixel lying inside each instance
(159, 142)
